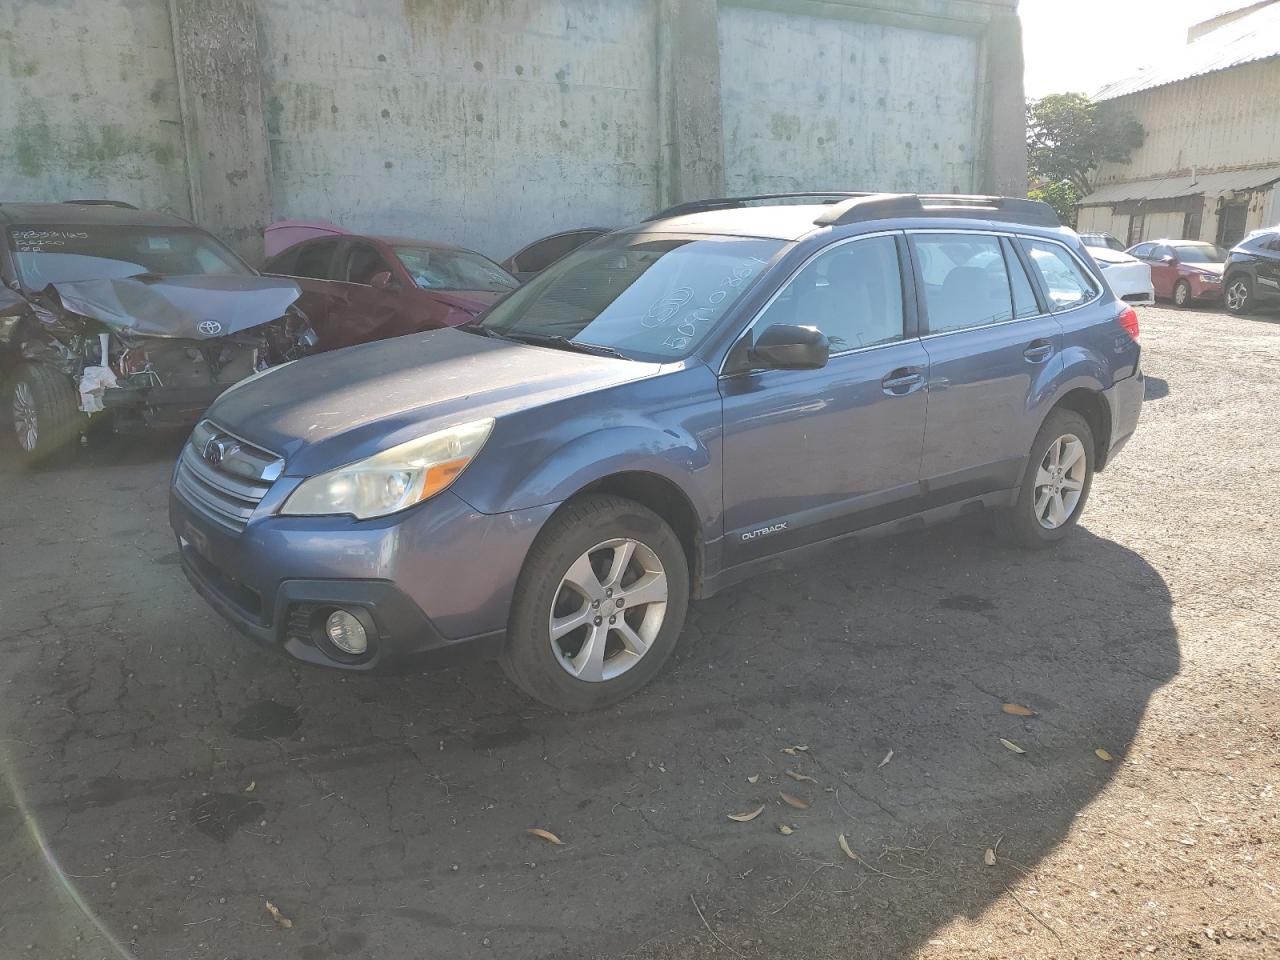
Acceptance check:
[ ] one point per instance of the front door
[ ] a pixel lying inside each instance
(989, 342)
(811, 454)
(362, 310)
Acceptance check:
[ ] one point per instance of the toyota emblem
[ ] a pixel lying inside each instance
(209, 328)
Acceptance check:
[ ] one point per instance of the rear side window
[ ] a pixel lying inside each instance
(314, 260)
(851, 292)
(965, 279)
(1065, 281)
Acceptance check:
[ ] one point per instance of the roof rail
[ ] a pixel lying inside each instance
(730, 203)
(103, 203)
(884, 206)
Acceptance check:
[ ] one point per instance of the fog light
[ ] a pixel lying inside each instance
(346, 633)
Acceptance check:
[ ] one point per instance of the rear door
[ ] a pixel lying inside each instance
(311, 265)
(811, 454)
(1164, 272)
(366, 310)
(990, 343)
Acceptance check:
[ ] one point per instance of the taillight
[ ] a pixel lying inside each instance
(1129, 320)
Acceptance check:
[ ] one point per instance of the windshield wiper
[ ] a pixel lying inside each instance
(564, 343)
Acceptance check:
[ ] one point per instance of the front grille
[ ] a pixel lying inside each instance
(223, 477)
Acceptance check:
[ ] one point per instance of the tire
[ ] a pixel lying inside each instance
(587, 536)
(1238, 294)
(43, 412)
(1025, 525)
(1181, 294)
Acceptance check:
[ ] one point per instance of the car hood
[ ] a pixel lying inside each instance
(1107, 255)
(328, 410)
(189, 308)
(1206, 267)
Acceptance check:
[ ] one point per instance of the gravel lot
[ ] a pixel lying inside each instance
(163, 780)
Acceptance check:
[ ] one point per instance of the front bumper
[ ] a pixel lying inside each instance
(1202, 289)
(432, 580)
(163, 406)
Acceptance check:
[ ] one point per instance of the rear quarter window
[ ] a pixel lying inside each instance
(1066, 282)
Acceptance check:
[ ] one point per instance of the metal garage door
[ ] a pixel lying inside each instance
(819, 103)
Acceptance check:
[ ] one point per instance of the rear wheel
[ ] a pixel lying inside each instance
(44, 411)
(599, 605)
(1239, 293)
(1056, 485)
(1181, 293)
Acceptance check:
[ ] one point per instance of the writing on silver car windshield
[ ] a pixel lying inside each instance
(647, 296)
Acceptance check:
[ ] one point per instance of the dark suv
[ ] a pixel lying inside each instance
(665, 411)
(1253, 272)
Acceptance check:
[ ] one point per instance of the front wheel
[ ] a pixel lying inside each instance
(1239, 294)
(599, 605)
(1181, 293)
(1056, 484)
(44, 411)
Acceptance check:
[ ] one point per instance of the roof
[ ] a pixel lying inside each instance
(782, 221)
(1163, 188)
(1253, 37)
(105, 214)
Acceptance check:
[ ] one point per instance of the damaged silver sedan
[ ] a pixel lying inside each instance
(120, 318)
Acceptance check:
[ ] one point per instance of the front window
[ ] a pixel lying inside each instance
(1200, 253)
(648, 296)
(59, 253)
(436, 268)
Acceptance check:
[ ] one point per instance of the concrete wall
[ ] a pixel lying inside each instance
(815, 102)
(491, 122)
(89, 103)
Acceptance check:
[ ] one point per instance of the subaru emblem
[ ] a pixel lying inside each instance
(209, 328)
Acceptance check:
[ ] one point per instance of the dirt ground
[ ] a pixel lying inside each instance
(162, 779)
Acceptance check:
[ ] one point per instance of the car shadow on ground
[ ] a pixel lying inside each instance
(1155, 388)
(182, 776)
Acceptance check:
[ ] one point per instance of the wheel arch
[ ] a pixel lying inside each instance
(1091, 405)
(665, 498)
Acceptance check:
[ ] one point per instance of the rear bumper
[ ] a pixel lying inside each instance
(1124, 399)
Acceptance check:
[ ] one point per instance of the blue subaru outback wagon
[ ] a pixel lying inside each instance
(663, 412)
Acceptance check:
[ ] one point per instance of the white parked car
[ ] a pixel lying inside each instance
(1128, 276)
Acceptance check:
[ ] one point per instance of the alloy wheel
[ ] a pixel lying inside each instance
(24, 416)
(608, 610)
(1237, 295)
(1060, 481)
(1181, 294)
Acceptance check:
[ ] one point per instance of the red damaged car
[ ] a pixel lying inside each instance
(359, 288)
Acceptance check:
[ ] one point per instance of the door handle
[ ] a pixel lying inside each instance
(1038, 351)
(900, 382)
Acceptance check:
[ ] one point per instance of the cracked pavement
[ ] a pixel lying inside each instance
(389, 817)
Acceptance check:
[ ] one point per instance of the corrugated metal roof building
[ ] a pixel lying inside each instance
(1211, 160)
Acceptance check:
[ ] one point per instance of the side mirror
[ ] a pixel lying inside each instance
(1168, 258)
(786, 346)
(381, 280)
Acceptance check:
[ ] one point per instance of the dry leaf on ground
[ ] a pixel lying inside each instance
(1018, 710)
(1010, 745)
(844, 845)
(786, 829)
(251, 787)
(1102, 754)
(278, 917)
(989, 858)
(798, 748)
(887, 757)
(800, 777)
(744, 817)
(754, 778)
(546, 835)
(794, 801)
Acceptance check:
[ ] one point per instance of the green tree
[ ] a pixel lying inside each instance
(1068, 136)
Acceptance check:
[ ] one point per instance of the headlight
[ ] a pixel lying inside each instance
(393, 479)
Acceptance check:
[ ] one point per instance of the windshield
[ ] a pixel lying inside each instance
(435, 269)
(648, 296)
(1200, 253)
(59, 253)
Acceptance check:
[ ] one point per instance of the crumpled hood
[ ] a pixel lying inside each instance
(189, 308)
(334, 408)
